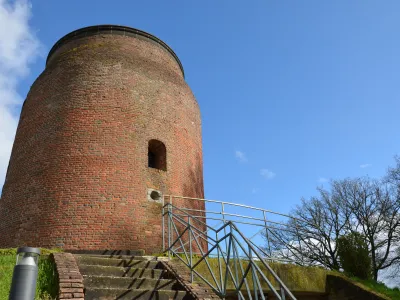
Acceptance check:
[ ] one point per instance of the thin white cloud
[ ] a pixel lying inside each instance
(363, 166)
(240, 156)
(323, 179)
(254, 191)
(18, 48)
(267, 174)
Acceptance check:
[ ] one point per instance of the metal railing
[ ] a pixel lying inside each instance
(220, 254)
(260, 225)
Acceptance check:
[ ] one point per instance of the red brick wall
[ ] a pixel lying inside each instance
(78, 173)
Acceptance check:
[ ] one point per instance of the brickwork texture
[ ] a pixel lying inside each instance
(70, 280)
(78, 174)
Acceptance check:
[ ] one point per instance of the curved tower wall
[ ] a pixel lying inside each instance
(78, 176)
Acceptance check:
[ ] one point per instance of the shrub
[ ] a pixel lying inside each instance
(354, 255)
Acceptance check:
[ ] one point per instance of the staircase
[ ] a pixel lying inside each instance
(109, 276)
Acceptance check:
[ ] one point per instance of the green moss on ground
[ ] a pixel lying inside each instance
(47, 285)
(375, 287)
(296, 278)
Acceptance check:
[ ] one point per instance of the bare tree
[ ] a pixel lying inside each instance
(375, 213)
(362, 205)
(309, 236)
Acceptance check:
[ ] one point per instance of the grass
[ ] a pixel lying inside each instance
(378, 287)
(296, 278)
(47, 285)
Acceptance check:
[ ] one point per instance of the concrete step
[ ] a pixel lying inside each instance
(92, 281)
(108, 252)
(116, 262)
(121, 271)
(121, 256)
(138, 294)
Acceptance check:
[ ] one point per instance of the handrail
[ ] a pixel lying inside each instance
(238, 259)
(231, 203)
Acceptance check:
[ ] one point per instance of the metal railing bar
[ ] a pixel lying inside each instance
(226, 248)
(196, 271)
(257, 268)
(239, 222)
(190, 251)
(241, 269)
(228, 269)
(217, 289)
(183, 222)
(201, 259)
(186, 214)
(251, 245)
(219, 262)
(282, 293)
(244, 279)
(163, 226)
(266, 232)
(179, 238)
(260, 287)
(205, 259)
(238, 216)
(247, 223)
(266, 266)
(227, 264)
(289, 248)
(236, 204)
(256, 287)
(257, 233)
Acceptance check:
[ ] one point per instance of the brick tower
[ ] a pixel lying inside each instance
(108, 126)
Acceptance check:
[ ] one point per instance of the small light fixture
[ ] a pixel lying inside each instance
(23, 286)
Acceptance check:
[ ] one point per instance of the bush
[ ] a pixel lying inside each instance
(354, 255)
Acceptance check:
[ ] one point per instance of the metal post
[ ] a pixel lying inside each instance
(190, 251)
(223, 220)
(253, 274)
(169, 231)
(283, 296)
(23, 285)
(163, 225)
(219, 261)
(266, 233)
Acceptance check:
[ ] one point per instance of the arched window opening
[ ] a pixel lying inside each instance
(157, 155)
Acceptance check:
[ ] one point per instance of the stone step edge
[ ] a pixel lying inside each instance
(132, 257)
(130, 278)
(136, 291)
(108, 252)
(121, 267)
(121, 289)
(79, 257)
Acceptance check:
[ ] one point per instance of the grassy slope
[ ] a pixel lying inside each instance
(378, 287)
(297, 278)
(46, 287)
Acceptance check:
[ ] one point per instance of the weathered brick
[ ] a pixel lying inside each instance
(77, 285)
(78, 295)
(65, 284)
(70, 290)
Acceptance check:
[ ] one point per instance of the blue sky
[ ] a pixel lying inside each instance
(292, 93)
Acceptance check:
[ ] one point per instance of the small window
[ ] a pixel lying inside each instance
(157, 155)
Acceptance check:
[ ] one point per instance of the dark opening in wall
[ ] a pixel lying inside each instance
(157, 155)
